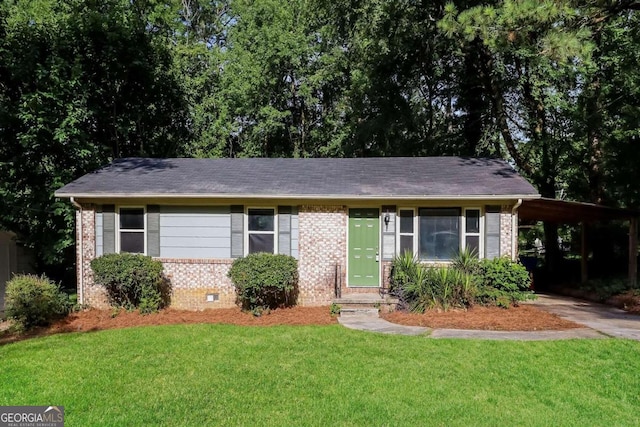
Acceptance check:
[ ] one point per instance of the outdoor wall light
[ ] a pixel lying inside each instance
(387, 218)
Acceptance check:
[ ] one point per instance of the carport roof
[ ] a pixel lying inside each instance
(563, 212)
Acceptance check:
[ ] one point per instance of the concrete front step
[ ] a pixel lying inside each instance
(363, 311)
(361, 304)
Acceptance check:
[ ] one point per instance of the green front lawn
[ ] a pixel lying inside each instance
(324, 375)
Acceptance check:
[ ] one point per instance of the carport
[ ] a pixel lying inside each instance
(564, 212)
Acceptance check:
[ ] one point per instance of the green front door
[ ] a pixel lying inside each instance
(364, 235)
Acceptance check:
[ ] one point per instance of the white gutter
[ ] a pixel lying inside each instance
(81, 261)
(514, 229)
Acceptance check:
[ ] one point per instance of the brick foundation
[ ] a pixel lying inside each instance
(192, 279)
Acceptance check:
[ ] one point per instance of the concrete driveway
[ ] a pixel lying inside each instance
(607, 320)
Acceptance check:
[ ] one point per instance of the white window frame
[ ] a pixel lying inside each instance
(415, 230)
(247, 231)
(463, 230)
(119, 230)
(479, 234)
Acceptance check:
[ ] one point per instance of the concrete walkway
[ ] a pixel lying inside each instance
(373, 323)
(605, 319)
(600, 321)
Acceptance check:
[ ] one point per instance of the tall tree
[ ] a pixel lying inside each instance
(280, 81)
(530, 57)
(195, 33)
(81, 82)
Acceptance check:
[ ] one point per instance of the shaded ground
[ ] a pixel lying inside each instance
(628, 301)
(523, 318)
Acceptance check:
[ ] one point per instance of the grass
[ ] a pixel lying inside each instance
(318, 376)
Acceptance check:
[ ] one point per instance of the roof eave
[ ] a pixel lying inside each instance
(294, 196)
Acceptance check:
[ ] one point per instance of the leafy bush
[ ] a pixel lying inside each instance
(468, 281)
(441, 287)
(467, 261)
(34, 301)
(403, 271)
(264, 280)
(606, 288)
(334, 309)
(420, 287)
(132, 281)
(503, 280)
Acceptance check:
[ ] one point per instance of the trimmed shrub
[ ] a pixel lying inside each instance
(265, 281)
(132, 281)
(606, 288)
(503, 280)
(34, 301)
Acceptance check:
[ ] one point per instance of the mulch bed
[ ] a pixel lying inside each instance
(522, 318)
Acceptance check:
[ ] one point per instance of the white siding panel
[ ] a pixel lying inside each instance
(196, 242)
(195, 221)
(195, 232)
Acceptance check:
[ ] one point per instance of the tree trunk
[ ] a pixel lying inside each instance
(593, 121)
(472, 97)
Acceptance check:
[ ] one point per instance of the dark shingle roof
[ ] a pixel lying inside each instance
(419, 177)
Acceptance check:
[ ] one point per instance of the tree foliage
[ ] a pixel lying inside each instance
(80, 83)
(550, 85)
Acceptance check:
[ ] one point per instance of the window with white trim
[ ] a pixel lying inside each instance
(131, 230)
(439, 233)
(472, 219)
(406, 231)
(261, 230)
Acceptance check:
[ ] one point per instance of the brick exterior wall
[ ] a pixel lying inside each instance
(506, 231)
(191, 279)
(90, 293)
(322, 262)
(322, 247)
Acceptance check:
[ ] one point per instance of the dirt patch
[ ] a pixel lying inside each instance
(628, 301)
(521, 318)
